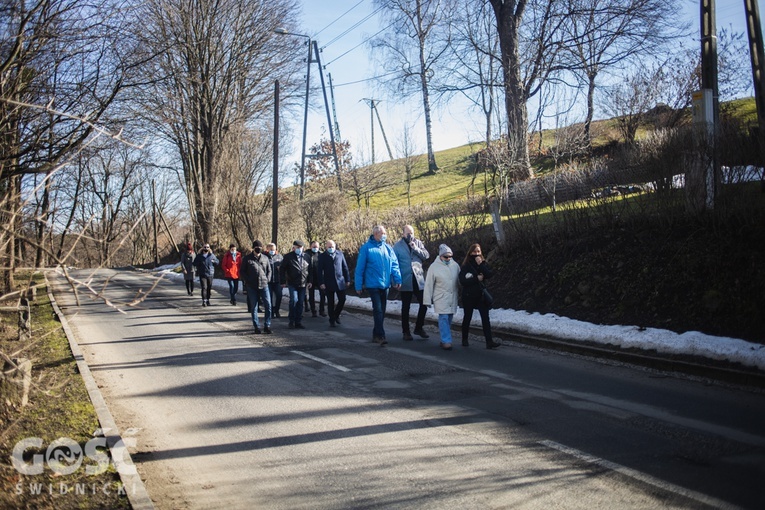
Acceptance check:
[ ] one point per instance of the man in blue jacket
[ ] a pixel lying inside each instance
(376, 271)
(334, 278)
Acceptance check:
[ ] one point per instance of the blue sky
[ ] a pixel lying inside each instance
(347, 59)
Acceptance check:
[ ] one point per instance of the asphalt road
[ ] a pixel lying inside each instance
(324, 418)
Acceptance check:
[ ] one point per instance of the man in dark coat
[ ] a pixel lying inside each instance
(274, 285)
(256, 273)
(205, 263)
(313, 259)
(334, 278)
(295, 274)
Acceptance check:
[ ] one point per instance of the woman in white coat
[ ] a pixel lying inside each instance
(441, 291)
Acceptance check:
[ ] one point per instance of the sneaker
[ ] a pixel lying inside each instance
(323, 314)
(408, 336)
(204, 303)
(291, 325)
(421, 333)
(337, 320)
(446, 347)
(299, 325)
(332, 324)
(380, 340)
(208, 302)
(257, 330)
(267, 330)
(493, 345)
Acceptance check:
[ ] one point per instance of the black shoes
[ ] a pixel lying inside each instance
(421, 333)
(257, 330)
(332, 324)
(408, 336)
(299, 325)
(313, 314)
(291, 325)
(465, 343)
(323, 314)
(337, 320)
(492, 345)
(267, 330)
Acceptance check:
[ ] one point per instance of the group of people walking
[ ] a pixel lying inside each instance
(380, 267)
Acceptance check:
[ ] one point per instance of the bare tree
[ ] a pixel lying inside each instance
(409, 158)
(365, 181)
(413, 46)
(534, 30)
(474, 69)
(246, 192)
(215, 67)
(604, 35)
(60, 71)
(629, 100)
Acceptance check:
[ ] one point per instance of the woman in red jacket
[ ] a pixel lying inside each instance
(232, 263)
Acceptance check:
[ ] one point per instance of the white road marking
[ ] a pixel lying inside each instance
(637, 475)
(322, 361)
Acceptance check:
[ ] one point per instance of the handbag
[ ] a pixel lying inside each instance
(486, 297)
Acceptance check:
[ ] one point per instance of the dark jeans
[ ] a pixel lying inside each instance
(233, 288)
(484, 311)
(206, 284)
(264, 295)
(276, 296)
(312, 298)
(406, 301)
(335, 310)
(297, 295)
(379, 299)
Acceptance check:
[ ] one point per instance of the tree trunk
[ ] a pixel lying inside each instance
(42, 222)
(590, 110)
(432, 166)
(508, 20)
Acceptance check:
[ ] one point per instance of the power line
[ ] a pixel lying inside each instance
(340, 17)
(367, 79)
(353, 27)
(361, 43)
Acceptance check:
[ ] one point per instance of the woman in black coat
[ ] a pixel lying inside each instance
(472, 275)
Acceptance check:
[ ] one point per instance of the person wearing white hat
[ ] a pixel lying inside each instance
(441, 291)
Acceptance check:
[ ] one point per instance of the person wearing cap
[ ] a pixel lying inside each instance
(187, 265)
(334, 278)
(256, 273)
(376, 271)
(294, 274)
(411, 253)
(274, 285)
(205, 262)
(231, 266)
(473, 275)
(441, 291)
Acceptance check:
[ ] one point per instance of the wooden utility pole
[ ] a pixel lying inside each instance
(154, 221)
(374, 111)
(275, 191)
(757, 56)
